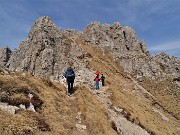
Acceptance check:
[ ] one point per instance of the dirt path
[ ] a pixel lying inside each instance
(122, 125)
(78, 126)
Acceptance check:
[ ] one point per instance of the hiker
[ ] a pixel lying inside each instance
(97, 82)
(102, 79)
(70, 76)
(98, 73)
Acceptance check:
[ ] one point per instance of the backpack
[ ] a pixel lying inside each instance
(70, 74)
(96, 79)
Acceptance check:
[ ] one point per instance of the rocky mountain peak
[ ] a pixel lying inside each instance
(114, 36)
(44, 20)
(116, 25)
(42, 23)
(48, 50)
(44, 28)
(93, 25)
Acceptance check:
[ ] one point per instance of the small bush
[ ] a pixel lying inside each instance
(47, 82)
(176, 79)
(42, 125)
(113, 125)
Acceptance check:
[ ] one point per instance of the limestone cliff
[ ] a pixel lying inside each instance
(48, 50)
(123, 45)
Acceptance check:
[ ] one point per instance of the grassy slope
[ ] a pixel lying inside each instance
(166, 93)
(124, 96)
(57, 115)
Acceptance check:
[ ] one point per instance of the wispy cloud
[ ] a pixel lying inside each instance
(166, 46)
(145, 13)
(171, 47)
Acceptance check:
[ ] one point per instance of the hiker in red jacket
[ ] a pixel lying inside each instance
(97, 82)
(98, 73)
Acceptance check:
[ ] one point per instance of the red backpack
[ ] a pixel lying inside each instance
(96, 79)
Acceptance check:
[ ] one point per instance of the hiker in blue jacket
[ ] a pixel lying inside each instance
(70, 76)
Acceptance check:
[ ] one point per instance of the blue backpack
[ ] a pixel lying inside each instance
(70, 74)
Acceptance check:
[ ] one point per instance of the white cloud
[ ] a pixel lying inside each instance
(136, 10)
(166, 46)
(170, 47)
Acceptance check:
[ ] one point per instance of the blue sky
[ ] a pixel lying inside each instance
(155, 21)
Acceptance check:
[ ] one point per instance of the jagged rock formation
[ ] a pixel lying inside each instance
(169, 65)
(5, 54)
(48, 50)
(123, 45)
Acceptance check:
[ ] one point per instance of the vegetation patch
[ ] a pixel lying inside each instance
(177, 79)
(15, 95)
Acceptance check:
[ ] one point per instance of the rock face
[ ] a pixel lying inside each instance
(123, 45)
(5, 54)
(48, 50)
(169, 65)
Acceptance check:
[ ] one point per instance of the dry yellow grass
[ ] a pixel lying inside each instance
(94, 114)
(139, 107)
(58, 111)
(166, 93)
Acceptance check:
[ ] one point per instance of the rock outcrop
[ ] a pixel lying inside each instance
(47, 51)
(169, 65)
(5, 54)
(123, 45)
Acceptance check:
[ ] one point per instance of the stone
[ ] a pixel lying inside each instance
(4, 71)
(81, 127)
(162, 115)
(31, 107)
(8, 108)
(22, 106)
(30, 95)
(117, 109)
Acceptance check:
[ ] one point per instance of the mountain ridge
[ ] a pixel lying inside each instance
(121, 42)
(140, 88)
